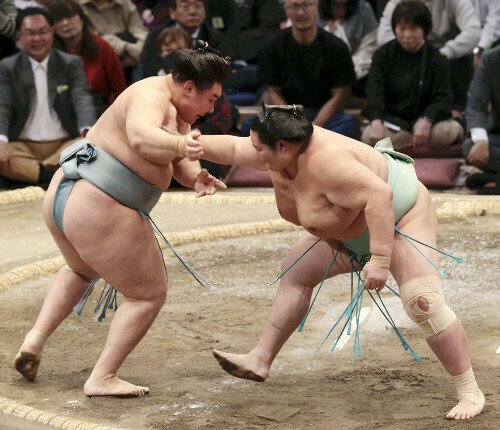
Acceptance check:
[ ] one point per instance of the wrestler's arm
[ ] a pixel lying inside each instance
(352, 185)
(145, 115)
(230, 150)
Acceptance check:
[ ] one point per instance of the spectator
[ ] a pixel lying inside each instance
(169, 39)
(482, 149)
(8, 12)
(488, 12)
(223, 15)
(455, 32)
(188, 14)
(44, 102)
(307, 65)
(409, 87)
(119, 23)
(100, 62)
(260, 21)
(354, 22)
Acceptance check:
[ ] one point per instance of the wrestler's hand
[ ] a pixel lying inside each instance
(5, 154)
(206, 184)
(375, 278)
(192, 146)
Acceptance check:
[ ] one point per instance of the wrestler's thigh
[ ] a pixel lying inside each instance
(311, 268)
(116, 241)
(419, 223)
(73, 259)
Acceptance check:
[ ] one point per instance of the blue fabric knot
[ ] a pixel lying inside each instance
(86, 154)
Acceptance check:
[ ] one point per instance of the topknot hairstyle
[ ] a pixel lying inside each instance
(282, 122)
(204, 66)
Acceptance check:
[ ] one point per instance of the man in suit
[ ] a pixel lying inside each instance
(44, 102)
(482, 149)
(190, 15)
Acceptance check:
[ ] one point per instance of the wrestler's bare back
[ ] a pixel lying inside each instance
(146, 103)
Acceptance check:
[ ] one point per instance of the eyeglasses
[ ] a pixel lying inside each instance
(296, 7)
(43, 32)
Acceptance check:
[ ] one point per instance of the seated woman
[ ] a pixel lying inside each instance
(409, 86)
(354, 22)
(102, 66)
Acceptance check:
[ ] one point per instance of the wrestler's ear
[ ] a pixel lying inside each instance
(281, 146)
(188, 88)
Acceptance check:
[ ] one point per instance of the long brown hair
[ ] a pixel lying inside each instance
(59, 9)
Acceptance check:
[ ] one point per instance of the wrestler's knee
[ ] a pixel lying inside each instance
(424, 303)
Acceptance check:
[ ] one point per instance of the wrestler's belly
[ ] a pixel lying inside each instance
(340, 232)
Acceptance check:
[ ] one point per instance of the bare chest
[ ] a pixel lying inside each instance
(306, 205)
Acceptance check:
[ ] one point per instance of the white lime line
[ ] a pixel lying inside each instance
(365, 311)
(498, 350)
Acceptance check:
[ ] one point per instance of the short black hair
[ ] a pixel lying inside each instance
(200, 66)
(413, 12)
(173, 3)
(282, 122)
(23, 13)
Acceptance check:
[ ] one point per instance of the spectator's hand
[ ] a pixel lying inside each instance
(133, 50)
(147, 16)
(375, 278)
(5, 154)
(477, 61)
(376, 131)
(192, 148)
(479, 153)
(206, 184)
(422, 132)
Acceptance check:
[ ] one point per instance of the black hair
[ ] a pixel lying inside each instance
(414, 13)
(326, 8)
(59, 9)
(204, 66)
(277, 122)
(173, 3)
(23, 13)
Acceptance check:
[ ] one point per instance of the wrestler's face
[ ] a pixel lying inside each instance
(409, 36)
(302, 13)
(197, 103)
(36, 36)
(269, 156)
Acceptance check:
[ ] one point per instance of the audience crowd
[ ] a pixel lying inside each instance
(424, 72)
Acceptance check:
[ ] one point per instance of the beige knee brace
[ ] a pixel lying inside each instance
(423, 301)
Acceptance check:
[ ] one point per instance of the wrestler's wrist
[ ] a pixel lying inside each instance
(181, 149)
(381, 261)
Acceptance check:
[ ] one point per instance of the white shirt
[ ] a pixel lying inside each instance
(488, 12)
(43, 124)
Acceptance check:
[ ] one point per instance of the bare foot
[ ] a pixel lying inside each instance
(113, 387)
(241, 366)
(27, 361)
(467, 408)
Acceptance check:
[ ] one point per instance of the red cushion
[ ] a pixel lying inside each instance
(432, 172)
(428, 152)
(437, 172)
(250, 177)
